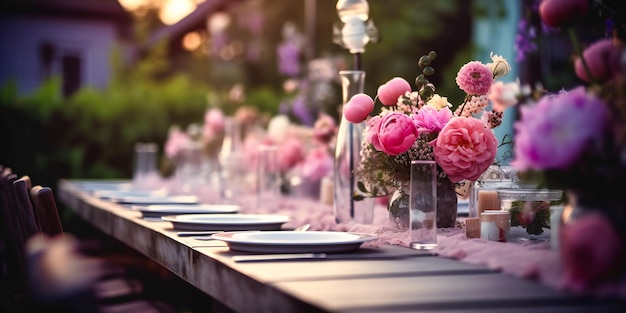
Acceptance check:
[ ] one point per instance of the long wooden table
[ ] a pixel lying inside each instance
(417, 283)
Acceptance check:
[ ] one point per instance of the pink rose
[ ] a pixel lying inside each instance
(214, 120)
(176, 141)
(397, 133)
(431, 120)
(358, 108)
(591, 250)
(389, 92)
(465, 148)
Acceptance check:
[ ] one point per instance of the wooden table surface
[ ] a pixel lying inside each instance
(410, 284)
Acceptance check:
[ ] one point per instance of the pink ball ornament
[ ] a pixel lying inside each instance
(558, 13)
(358, 108)
(389, 92)
(602, 58)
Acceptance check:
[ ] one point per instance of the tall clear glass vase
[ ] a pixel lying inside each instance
(347, 158)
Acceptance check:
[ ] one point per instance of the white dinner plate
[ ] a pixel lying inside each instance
(92, 186)
(117, 194)
(226, 222)
(293, 241)
(148, 200)
(158, 210)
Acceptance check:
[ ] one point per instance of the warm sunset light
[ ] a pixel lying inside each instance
(192, 41)
(131, 5)
(173, 11)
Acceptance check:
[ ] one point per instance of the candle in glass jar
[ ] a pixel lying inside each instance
(495, 225)
(488, 200)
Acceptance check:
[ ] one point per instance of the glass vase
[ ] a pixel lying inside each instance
(232, 163)
(349, 204)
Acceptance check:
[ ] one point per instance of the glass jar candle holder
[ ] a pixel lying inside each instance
(530, 212)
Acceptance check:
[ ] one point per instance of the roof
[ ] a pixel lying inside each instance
(195, 20)
(88, 9)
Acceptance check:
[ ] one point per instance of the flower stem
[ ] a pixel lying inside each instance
(579, 51)
(467, 97)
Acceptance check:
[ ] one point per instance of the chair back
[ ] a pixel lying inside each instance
(25, 211)
(46, 211)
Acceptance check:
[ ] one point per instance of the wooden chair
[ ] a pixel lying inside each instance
(70, 275)
(46, 210)
(24, 209)
(51, 271)
(15, 282)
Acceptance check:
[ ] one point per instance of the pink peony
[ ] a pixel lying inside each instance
(371, 134)
(431, 120)
(397, 132)
(290, 153)
(389, 92)
(214, 119)
(553, 133)
(603, 58)
(591, 250)
(464, 148)
(358, 108)
(324, 129)
(475, 78)
(317, 164)
(503, 95)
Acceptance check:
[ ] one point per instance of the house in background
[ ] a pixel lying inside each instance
(71, 39)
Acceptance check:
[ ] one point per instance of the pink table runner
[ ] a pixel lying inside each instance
(534, 261)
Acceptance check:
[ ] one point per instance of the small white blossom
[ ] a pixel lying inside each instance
(499, 67)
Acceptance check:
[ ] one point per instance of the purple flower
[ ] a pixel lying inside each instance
(289, 58)
(553, 133)
(475, 78)
(524, 40)
(301, 111)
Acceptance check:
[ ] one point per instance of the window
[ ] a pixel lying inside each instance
(71, 73)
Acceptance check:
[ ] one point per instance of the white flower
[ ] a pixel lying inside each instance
(439, 102)
(500, 67)
(278, 128)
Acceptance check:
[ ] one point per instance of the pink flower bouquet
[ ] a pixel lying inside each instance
(575, 140)
(421, 125)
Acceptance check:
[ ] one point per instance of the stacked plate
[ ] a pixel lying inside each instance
(159, 210)
(148, 200)
(226, 222)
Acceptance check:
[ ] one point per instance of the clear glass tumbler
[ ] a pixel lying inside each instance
(423, 205)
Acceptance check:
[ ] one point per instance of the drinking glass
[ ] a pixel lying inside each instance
(267, 177)
(145, 171)
(423, 205)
